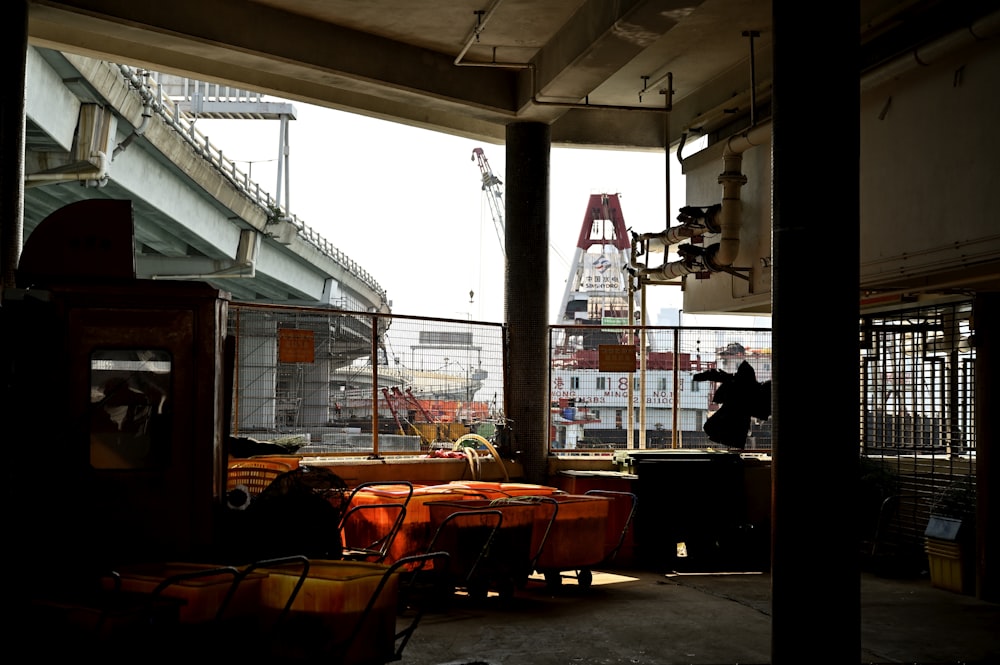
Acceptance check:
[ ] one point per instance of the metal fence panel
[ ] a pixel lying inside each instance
(305, 377)
(668, 396)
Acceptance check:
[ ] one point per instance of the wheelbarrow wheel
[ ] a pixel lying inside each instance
(584, 578)
(478, 591)
(505, 589)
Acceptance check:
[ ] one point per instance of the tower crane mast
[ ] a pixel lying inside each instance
(493, 187)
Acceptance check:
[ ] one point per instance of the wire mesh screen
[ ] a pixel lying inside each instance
(917, 420)
(664, 397)
(331, 381)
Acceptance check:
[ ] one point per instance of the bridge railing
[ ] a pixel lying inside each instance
(158, 101)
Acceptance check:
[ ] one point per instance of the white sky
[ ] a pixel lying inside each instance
(408, 206)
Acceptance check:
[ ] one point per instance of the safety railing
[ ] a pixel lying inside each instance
(158, 102)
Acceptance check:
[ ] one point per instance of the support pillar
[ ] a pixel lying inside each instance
(986, 327)
(15, 49)
(815, 558)
(526, 293)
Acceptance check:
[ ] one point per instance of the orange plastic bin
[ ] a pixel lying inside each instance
(464, 530)
(498, 490)
(200, 588)
(416, 531)
(343, 608)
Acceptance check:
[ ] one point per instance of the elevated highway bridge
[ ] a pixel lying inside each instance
(99, 130)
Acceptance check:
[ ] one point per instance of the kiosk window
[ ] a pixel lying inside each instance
(129, 389)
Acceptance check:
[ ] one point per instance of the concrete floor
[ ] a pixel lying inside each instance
(626, 616)
(641, 618)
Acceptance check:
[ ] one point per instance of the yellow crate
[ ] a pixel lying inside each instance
(328, 607)
(945, 563)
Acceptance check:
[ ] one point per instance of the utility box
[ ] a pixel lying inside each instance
(117, 387)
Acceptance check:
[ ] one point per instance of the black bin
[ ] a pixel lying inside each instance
(691, 509)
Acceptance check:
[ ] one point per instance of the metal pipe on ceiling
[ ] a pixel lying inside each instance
(482, 18)
(985, 28)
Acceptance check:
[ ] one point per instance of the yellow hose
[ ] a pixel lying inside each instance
(472, 465)
(489, 446)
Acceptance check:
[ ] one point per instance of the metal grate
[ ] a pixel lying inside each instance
(918, 402)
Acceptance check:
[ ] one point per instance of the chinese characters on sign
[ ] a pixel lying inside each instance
(295, 346)
(616, 358)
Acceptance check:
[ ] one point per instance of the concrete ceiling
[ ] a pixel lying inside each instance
(629, 74)
(599, 73)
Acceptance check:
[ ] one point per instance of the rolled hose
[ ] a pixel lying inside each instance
(489, 446)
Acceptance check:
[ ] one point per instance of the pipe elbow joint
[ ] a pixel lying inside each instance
(714, 262)
(720, 256)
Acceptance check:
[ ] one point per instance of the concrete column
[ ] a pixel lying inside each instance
(986, 327)
(257, 367)
(815, 573)
(526, 290)
(15, 48)
(316, 397)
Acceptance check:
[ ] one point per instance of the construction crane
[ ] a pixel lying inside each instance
(493, 187)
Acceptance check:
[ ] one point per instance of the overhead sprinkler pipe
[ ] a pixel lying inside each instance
(482, 18)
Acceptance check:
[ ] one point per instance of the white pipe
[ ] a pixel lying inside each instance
(983, 29)
(732, 180)
(243, 267)
(675, 234)
(247, 270)
(721, 255)
(669, 271)
(147, 115)
(97, 177)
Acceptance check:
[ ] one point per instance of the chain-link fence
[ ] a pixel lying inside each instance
(306, 376)
(661, 398)
(325, 380)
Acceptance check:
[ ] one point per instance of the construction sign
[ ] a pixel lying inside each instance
(616, 357)
(295, 346)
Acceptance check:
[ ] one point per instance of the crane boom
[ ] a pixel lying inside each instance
(493, 187)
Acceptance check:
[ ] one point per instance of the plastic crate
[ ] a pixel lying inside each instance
(202, 588)
(577, 535)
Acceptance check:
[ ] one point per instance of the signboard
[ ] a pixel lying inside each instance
(616, 357)
(295, 346)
